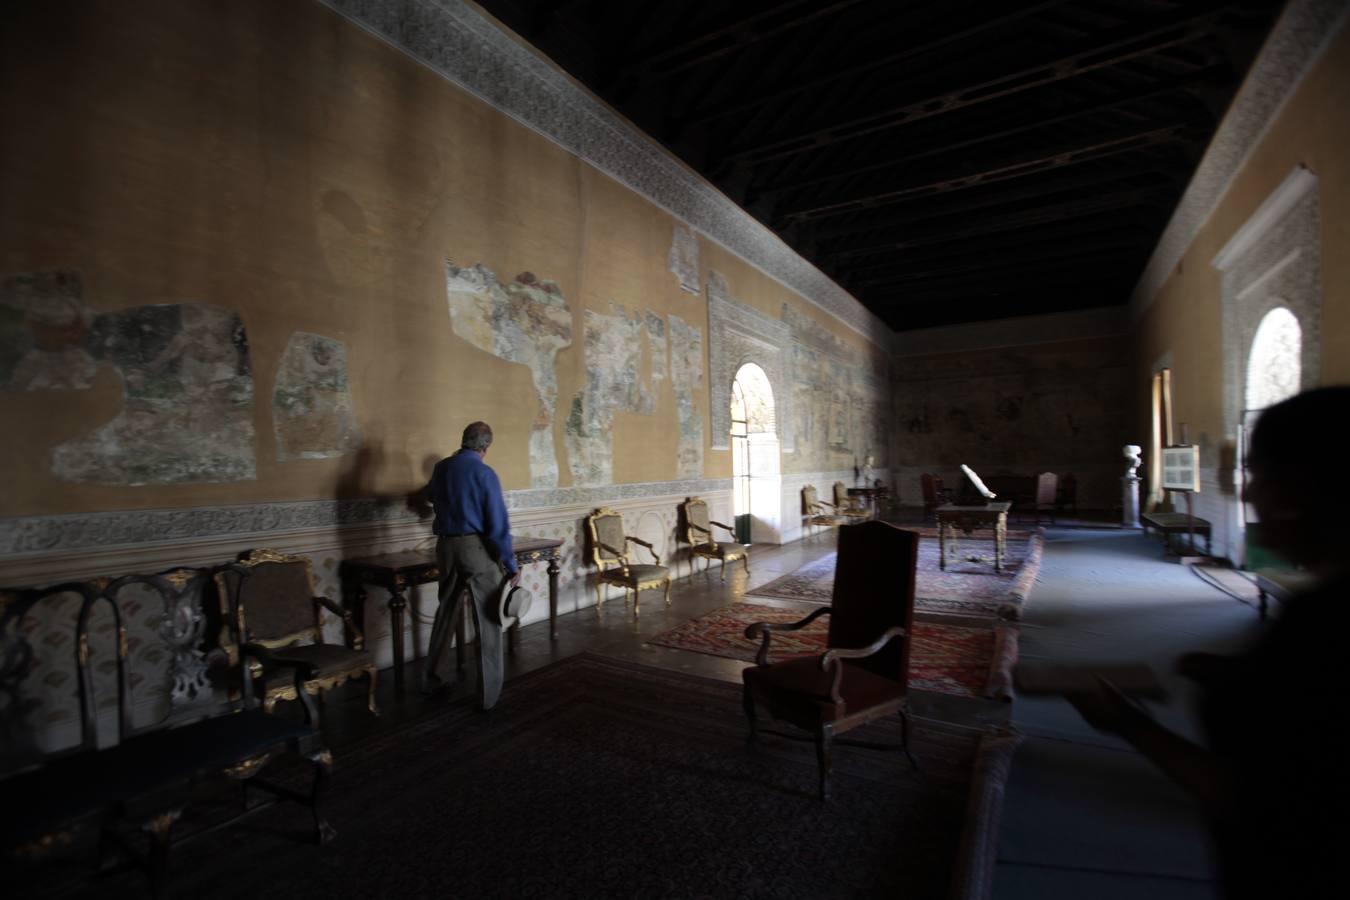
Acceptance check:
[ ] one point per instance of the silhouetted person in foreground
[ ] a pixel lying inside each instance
(1274, 778)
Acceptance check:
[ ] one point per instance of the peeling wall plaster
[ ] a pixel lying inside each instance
(686, 375)
(187, 381)
(526, 322)
(613, 384)
(312, 414)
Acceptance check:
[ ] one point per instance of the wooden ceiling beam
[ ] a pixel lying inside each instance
(1127, 44)
(1065, 156)
(1081, 111)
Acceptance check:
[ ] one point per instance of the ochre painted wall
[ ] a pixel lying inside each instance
(273, 159)
(1185, 316)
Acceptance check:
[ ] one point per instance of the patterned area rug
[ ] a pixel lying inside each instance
(948, 659)
(598, 778)
(966, 587)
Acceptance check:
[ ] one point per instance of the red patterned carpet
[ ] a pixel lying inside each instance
(947, 659)
(968, 587)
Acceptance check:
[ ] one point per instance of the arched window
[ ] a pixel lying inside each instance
(1275, 365)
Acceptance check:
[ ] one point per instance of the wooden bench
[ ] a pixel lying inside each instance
(147, 777)
(1168, 524)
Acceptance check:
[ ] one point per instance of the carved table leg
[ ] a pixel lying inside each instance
(553, 570)
(397, 604)
(942, 544)
(1000, 540)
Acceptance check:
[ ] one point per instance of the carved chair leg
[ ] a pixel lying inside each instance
(599, 595)
(157, 859)
(323, 771)
(904, 738)
(667, 592)
(371, 703)
(746, 560)
(748, 701)
(637, 596)
(824, 740)
(724, 570)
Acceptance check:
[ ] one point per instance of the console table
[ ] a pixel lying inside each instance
(396, 572)
(967, 518)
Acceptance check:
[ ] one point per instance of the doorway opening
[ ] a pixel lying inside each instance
(756, 478)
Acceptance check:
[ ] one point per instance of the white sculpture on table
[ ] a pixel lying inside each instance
(1130, 486)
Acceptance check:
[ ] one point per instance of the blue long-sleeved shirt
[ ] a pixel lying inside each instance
(467, 497)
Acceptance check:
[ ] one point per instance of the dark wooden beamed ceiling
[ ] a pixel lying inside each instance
(945, 160)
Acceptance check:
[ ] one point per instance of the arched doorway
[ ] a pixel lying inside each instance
(1274, 373)
(757, 482)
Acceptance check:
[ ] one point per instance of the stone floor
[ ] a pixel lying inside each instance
(1087, 816)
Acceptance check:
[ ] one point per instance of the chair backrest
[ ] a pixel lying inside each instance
(1047, 484)
(694, 512)
(929, 484)
(1068, 494)
(604, 528)
(809, 500)
(873, 591)
(840, 494)
(269, 598)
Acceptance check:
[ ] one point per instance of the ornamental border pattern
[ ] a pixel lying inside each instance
(38, 534)
(1303, 31)
(467, 49)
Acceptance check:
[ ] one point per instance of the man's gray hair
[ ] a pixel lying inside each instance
(478, 436)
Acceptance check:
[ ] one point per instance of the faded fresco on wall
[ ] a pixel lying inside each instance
(656, 341)
(839, 397)
(683, 258)
(525, 322)
(686, 377)
(613, 384)
(43, 328)
(188, 410)
(312, 414)
(187, 381)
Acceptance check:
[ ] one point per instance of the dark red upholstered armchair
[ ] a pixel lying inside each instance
(864, 675)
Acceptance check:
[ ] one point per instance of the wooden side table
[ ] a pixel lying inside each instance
(967, 518)
(404, 569)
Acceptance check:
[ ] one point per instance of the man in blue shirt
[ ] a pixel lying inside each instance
(473, 553)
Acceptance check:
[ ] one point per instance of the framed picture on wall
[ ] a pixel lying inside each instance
(1181, 468)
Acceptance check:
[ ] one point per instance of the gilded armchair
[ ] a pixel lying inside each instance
(845, 505)
(271, 606)
(609, 552)
(817, 512)
(864, 673)
(697, 531)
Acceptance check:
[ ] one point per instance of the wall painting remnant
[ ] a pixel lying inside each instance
(526, 321)
(312, 414)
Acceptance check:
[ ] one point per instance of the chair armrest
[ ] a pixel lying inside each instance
(765, 630)
(832, 657)
(358, 640)
(706, 531)
(623, 557)
(727, 528)
(641, 543)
